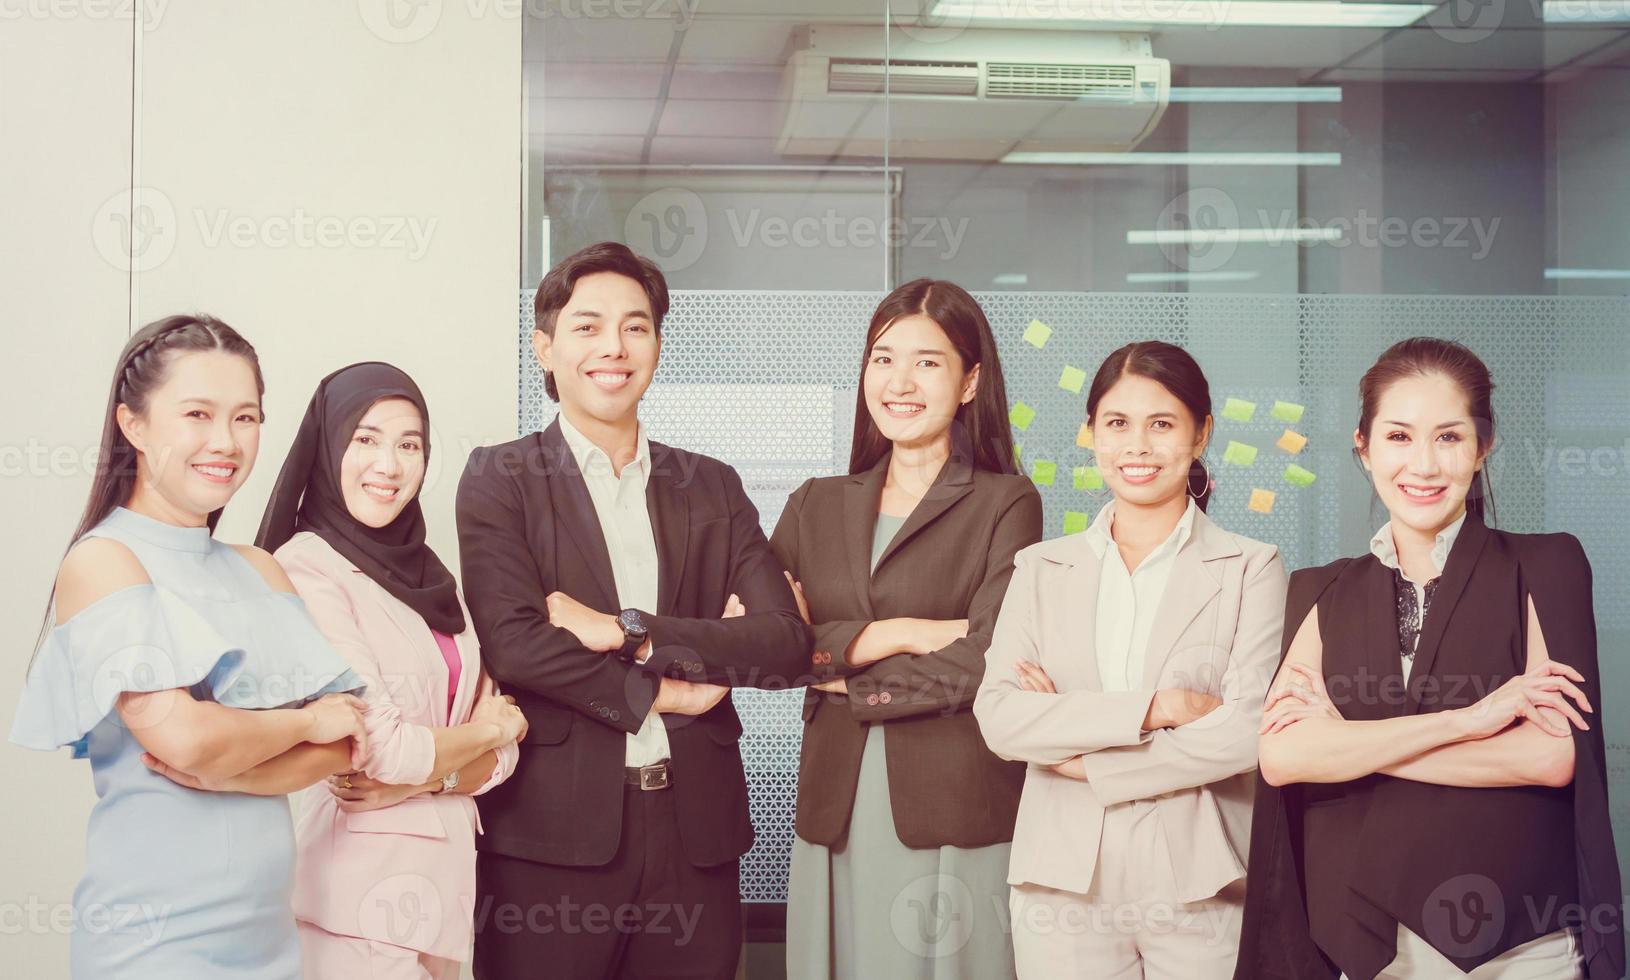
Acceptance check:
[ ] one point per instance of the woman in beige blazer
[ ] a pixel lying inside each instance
(385, 874)
(1128, 667)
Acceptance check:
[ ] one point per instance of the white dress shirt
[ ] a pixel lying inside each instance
(619, 503)
(1128, 601)
(1385, 548)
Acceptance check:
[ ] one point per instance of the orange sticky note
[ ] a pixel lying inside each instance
(1262, 501)
(1292, 442)
(1083, 438)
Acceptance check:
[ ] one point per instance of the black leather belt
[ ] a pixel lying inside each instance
(654, 776)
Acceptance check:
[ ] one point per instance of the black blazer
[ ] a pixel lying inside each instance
(950, 560)
(527, 527)
(1335, 868)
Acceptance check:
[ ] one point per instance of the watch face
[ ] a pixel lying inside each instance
(630, 621)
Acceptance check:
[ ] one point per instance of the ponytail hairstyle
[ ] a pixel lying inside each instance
(1174, 369)
(1421, 356)
(142, 368)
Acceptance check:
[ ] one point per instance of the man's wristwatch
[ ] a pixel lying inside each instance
(449, 781)
(635, 633)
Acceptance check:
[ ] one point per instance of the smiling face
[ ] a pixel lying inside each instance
(604, 349)
(384, 462)
(915, 381)
(1146, 440)
(199, 434)
(1422, 451)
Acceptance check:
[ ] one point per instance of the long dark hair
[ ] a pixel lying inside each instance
(1174, 369)
(1421, 356)
(142, 367)
(982, 422)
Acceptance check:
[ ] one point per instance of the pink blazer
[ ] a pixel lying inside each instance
(404, 874)
(1217, 631)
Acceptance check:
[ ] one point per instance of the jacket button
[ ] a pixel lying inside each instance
(871, 699)
(885, 698)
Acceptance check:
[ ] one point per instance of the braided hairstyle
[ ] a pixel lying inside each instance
(141, 369)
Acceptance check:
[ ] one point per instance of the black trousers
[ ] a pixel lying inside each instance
(648, 913)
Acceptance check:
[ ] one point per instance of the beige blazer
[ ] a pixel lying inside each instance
(1218, 631)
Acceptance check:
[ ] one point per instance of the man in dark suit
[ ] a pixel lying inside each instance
(619, 588)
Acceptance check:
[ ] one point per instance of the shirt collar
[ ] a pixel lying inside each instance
(1098, 536)
(1385, 548)
(593, 461)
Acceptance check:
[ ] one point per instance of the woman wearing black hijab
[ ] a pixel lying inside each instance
(385, 880)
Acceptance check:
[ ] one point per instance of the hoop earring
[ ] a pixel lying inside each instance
(1209, 483)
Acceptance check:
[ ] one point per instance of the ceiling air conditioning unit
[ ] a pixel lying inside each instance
(976, 96)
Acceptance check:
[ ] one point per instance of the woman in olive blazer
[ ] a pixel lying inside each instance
(904, 816)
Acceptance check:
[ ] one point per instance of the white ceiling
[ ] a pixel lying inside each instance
(596, 85)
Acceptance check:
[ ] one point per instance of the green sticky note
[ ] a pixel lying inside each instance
(1088, 478)
(1072, 378)
(1018, 456)
(1042, 471)
(1238, 410)
(1037, 333)
(1302, 478)
(1021, 415)
(1288, 412)
(1239, 454)
(1074, 521)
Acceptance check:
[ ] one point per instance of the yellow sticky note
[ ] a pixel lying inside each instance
(1083, 437)
(1292, 442)
(1021, 415)
(1288, 412)
(1072, 378)
(1239, 454)
(1018, 456)
(1238, 410)
(1037, 333)
(1302, 478)
(1074, 522)
(1042, 471)
(1262, 501)
(1088, 478)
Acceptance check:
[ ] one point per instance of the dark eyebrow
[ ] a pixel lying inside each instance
(1441, 425)
(211, 404)
(375, 428)
(920, 350)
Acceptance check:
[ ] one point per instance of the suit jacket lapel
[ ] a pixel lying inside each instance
(1463, 557)
(574, 510)
(1075, 609)
(1194, 582)
(860, 498)
(953, 482)
(669, 508)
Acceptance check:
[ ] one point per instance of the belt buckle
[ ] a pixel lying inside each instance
(654, 776)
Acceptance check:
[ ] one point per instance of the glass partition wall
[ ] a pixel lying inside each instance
(1284, 187)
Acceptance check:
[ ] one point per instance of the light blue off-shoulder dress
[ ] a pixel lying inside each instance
(178, 883)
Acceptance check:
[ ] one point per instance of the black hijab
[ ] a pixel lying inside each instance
(307, 496)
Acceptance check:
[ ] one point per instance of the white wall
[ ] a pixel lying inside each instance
(250, 117)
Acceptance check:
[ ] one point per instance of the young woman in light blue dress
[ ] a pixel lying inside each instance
(163, 636)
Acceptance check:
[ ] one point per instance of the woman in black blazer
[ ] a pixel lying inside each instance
(1434, 795)
(905, 818)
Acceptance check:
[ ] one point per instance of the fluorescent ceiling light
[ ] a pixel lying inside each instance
(1218, 276)
(1011, 279)
(1231, 236)
(1587, 273)
(1180, 159)
(1246, 93)
(1185, 13)
(1586, 11)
